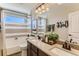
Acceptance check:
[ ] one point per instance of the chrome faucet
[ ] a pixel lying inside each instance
(67, 44)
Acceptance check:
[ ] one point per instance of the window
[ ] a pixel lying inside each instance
(13, 19)
(33, 24)
(41, 23)
(17, 19)
(28, 21)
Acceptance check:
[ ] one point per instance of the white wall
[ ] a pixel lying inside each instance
(60, 13)
(63, 32)
(15, 7)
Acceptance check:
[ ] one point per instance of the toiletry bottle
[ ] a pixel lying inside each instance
(46, 39)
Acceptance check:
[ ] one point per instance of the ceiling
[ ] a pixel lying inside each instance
(21, 7)
(55, 8)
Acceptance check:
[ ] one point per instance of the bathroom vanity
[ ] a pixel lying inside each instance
(36, 47)
(34, 51)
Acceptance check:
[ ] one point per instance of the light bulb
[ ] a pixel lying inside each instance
(43, 11)
(36, 11)
(39, 9)
(42, 7)
(40, 12)
(47, 9)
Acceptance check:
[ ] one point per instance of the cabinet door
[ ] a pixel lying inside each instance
(28, 49)
(41, 53)
(34, 48)
(33, 53)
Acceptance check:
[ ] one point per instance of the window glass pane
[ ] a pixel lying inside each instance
(41, 23)
(28, 23)
(33, 24)
(13, 19)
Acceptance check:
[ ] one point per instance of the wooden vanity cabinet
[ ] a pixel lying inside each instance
(34, 51)
(28, 49)
(41, 53)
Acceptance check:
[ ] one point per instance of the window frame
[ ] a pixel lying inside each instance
(10, 13)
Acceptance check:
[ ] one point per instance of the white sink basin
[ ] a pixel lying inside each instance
(61, 52)
(33, 40)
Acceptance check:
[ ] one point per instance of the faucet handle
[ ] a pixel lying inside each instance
(74, 42)
(71, 40)
(67, 41)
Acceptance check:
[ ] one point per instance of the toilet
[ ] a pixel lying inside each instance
(23, 48)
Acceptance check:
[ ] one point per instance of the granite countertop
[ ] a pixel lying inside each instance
(47, 48)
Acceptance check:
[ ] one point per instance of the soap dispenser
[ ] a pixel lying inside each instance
(70, 37)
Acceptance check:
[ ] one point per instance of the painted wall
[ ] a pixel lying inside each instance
(63, 32)
(60, 13)
(15, 7)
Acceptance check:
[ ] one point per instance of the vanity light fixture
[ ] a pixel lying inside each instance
(39, 9)
(47, 9)
(36, 11)
(40, 12)
(43, 11)
(42, 8)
